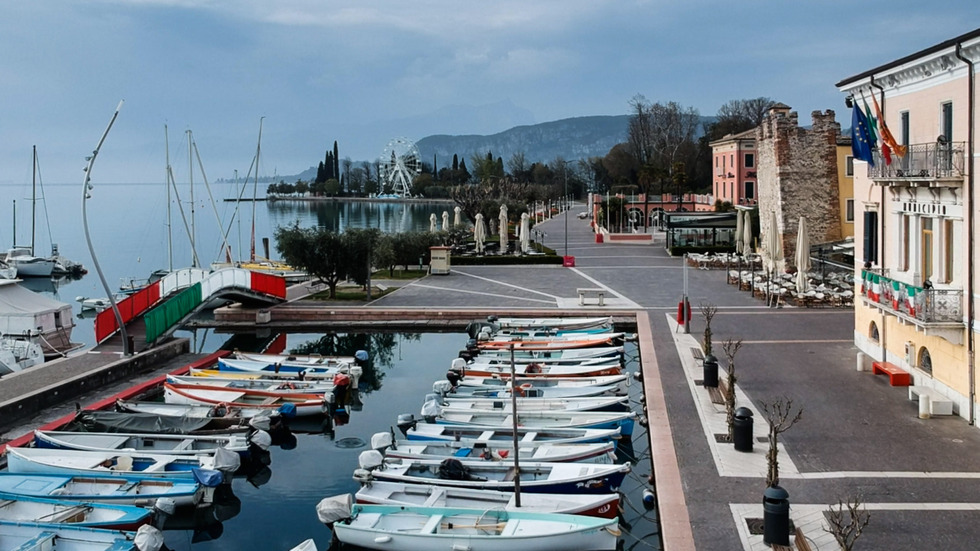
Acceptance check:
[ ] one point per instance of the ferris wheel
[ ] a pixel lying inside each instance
(400, 164)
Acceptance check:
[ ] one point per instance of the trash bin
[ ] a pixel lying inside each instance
(775, 516)
(568, 261)
(710, 364)
(742, 433)
(598, 238)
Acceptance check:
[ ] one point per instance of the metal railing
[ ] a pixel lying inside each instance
(928, 161)
(924, 305)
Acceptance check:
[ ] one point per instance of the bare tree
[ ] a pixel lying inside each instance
(779, 414)
(730, 347)
(640, 130)
(847, 527)
(708, 310)
(517, 166)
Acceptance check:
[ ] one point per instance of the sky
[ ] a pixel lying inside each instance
(364, 72)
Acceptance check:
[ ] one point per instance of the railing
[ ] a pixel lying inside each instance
(918, 303)
(929, 161)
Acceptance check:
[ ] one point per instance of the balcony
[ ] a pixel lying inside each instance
(929, 164)
(932, 311)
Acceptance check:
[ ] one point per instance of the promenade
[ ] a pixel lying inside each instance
(858, 436)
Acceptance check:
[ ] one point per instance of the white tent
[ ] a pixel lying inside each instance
(747, 232)
(802, 257)
(503, 229)
(739, 221)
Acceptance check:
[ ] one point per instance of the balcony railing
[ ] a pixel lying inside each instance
(922, 162)
(917, 303)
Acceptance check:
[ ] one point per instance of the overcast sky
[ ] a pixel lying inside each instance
(363, 72)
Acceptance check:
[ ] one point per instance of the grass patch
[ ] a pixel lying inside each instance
(351, 294)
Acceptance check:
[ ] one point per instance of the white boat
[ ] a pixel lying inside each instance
(545, 386)
(19, 352)
(28, 265)
(23, 312)
(504, 359)
(7, 271)
(529, 390)
(265, 375)
(451, 529)
(115, 463)
(234, 365)
(570, 340)
(551, 323)
(291, 386)
(218, 414)
(97, 304)
(542, 419)
(495, 436)
(535, 477)
(18, 508)
(431, 495)
(524, 405)
(299, 404)
(173, 444)
(15, 536)
(311, 360)
(140, 491)
(534, 355)
(596, 452)
(539, 370)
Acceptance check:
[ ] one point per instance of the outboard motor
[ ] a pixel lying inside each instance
(430, 410)
(261, 440)
(361, 358)
(332, 509)
(406, 421)
(381, 441)
(453, 378)
(492, 319)
(355, 373)
(442, 388)
(148, 538)
(471, 345)
(484, 334)
(466, 355)
(367, 461)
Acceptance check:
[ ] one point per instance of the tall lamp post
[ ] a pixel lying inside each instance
(564, 172)
(86, 187)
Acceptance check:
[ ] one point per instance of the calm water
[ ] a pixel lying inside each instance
(279, 513)
(128, 225)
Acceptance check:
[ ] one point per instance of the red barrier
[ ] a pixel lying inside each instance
(269, 284)
(129, 308)
(680, 312)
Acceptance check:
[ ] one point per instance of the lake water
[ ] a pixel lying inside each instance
(279, 512)
(128, 226)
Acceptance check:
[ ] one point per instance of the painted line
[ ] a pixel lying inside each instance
(464, 291)
(802, 341)
(553, 297)
(884, 474)
(597, 283)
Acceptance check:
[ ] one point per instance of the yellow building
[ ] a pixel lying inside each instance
(916, 246)
(845, 185)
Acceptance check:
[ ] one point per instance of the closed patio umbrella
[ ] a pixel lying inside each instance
(457, 219)
(739, 246)
(525, 233)
(773, 248)
(445, 221)
(802, 257)
(433, 223)
(503, 229)
(479, 233)
(747, 232)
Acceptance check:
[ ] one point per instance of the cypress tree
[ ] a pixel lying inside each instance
(336, 161)
(435, 167)
(455, 162)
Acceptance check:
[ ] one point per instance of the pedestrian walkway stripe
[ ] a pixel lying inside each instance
(474, 276)
(597, 283)
(551, 302)
(801, 341)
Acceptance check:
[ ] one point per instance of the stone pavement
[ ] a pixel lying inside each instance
(859, 437)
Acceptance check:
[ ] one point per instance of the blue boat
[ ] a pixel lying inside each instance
(129, 490)
(543, 419)
(17, 508)
(32, 536)
(114, 463)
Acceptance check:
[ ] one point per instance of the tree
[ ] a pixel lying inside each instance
(347, 168)
(708, 310)
(301, 187)
(639, 136)
(336, 161)
(320, 252)
(780, 417)
(847, 527)
(731, 348)
(360, 244)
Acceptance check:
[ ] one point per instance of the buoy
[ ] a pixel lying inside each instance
(649, 499)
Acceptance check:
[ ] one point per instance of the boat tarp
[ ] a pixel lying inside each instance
(113, 421)
(22, 311)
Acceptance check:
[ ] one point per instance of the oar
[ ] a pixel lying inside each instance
(450, 526)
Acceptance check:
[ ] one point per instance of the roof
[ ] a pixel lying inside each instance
(898, 62)
(16, 300)
(746, 135)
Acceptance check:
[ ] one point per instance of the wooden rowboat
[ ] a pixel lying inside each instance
(501, 435)
(18, 508)
(102, 489)
(174, 444)
(31, 537)
(304, 404)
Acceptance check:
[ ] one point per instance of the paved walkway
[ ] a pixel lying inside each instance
(859, 437)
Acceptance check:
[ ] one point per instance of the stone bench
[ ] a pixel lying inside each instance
(896, 375)
(381, 287)
(590, 292)
(938, 404)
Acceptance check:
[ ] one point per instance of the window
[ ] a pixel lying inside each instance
(946, 130)
(873, 332)
(926, 249)
(749, 160)
(750, 190)
(716, 162)
(948, 251)
(925, 360)
(849, 210)
(904, 125)
(731, 190)
(904, 236)
(849, 166)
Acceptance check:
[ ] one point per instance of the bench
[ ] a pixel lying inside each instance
(938, 404)
(591, 292)
(896, 375)
(381, 287)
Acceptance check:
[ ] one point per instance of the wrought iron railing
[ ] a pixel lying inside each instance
(926, 305)
(928, 161)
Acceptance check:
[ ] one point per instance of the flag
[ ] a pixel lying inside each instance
(872, 124)
(910, 299)
(886, 135)
(860, 139)
(886, 152)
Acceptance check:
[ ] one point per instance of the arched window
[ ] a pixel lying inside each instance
(925, 360)
(873, 332)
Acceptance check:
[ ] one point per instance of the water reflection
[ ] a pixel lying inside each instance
(338, 215)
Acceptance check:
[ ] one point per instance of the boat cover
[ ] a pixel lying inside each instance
(113, 421)
(148, 538)
(208, 477)
(24, 311)
(332, 509)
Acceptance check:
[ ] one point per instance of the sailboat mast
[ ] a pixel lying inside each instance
(33, 196)
(190, 173)
(255, 188)
(170, 242)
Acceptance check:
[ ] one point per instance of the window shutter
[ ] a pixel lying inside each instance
(871, 237)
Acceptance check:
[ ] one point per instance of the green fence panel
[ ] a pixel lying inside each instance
(170, 312)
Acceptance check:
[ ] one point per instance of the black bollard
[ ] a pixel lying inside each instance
(742, 433)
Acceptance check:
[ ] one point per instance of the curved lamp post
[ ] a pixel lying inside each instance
(86, 187)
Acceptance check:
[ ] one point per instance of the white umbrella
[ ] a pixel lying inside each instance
(773, 248)
(739, 246)
(479, 233)
(457, 219)
(445, 221)
(432, 223)
(747, 232)
(525, 234)
(493, 226)
(802, 257)
(503, 229)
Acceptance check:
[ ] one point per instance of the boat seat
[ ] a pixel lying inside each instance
(185, 444)
(463, 452)
(40, 541)
(269, 401)
(431, 525)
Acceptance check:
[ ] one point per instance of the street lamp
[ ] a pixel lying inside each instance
(86, 187)
(564, 172)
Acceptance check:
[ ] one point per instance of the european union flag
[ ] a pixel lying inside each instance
(860, 136)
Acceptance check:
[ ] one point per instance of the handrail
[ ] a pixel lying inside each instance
(927, 305)
(928, 161)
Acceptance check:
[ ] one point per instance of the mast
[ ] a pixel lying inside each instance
(170, 242)
(190, 174)
(33, 196)
(255, 188)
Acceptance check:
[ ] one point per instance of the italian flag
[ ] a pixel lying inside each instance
(895, 295)
(875, 292)
(910, 299)
(864, 279)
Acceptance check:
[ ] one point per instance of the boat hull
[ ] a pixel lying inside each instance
(498, 435)
(18, 508)
(58, 537)
(102, 489)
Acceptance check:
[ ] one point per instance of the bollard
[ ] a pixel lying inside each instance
(742, 433)
(775, 516)
(710, 369)
(860, 361)
(924, 402)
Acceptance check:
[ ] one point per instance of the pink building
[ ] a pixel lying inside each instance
(734, 168)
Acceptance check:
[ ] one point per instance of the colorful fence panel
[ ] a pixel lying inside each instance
(129, 308)
(170, 312)
(269, 284)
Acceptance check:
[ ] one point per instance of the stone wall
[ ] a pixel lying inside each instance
(797, 172)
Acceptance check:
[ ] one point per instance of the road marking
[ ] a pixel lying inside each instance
(551, 302)
(553, 297)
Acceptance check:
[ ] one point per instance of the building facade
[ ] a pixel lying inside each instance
(916, 250)
(734, 169)
(845, 185)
